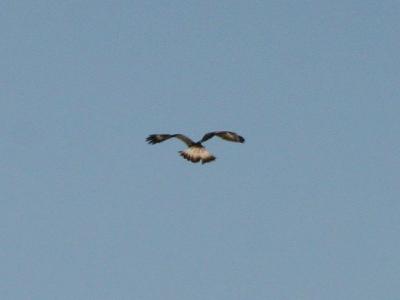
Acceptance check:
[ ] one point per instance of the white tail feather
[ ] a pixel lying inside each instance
(196, 154)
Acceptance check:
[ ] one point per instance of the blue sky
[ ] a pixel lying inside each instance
(308, 208)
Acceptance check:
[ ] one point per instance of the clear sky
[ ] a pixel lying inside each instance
(308, 208)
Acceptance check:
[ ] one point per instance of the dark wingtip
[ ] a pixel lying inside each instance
(241, 139)
(151, 139)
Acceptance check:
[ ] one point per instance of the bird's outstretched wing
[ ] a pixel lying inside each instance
(158, 138)
(225, 135)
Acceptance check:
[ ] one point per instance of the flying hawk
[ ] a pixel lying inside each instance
(196, 151)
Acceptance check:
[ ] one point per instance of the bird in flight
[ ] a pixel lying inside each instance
(196, 151)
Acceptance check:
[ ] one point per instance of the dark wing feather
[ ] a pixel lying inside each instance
(158, 138)
(225, 135)
(184, 139)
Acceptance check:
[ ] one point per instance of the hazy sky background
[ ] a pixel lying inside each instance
(308, 208)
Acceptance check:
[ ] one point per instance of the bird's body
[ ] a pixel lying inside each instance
(196, 151)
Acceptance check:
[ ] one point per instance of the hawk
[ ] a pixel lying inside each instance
(196, 151)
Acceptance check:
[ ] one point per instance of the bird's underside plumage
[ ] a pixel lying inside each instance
(196, 151)
(196, 154)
